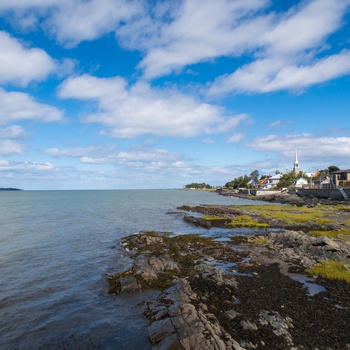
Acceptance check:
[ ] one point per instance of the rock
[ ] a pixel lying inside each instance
(279, 324)
(128, 284)
(231, 314)
(183, 326)
(196, 221)
(299, 245)
(215, 275)
(148, 268)
(248, 325)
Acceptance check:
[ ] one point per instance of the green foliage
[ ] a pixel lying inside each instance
(332, 168)
(199, 186)
(332, 269)
(254, 175)
(239, 182)
(286, 180)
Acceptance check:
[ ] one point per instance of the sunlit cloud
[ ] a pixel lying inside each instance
(310, 148)
(20, 65)
(19, 106)
(140, 110)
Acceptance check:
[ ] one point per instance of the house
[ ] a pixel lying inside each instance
(272, 181)
(252, 184)
(263, 181)
(299, 183)
(340, 178)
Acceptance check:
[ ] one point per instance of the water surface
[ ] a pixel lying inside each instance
(56, 249)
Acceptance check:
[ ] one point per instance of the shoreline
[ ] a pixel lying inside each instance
(250, 292)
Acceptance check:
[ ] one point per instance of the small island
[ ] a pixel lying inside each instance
(9, 189)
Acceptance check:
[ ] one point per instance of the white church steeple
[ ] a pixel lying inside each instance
(296, 169)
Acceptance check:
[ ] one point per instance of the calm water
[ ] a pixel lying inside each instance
(56, 249)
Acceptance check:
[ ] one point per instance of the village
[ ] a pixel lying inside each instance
(332, 183)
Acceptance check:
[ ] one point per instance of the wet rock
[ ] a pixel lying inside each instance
(148, 268)
(128, 284)
(183, 326)
(197, 221)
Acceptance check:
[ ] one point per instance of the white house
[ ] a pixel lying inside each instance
(300, 182)
(272, 181)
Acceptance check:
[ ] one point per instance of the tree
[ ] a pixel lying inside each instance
(254, 175)
(286, 180)
(238, 182)
(198, 185)
(332, 168)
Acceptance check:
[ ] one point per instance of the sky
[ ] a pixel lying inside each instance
(129, 94)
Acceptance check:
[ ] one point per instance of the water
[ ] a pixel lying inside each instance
(56, 249)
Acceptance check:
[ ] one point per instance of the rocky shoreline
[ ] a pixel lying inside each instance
(249, 292)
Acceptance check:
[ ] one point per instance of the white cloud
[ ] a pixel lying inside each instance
(16, 106)
(196, 34)
(140, 157)
(236, 138)
(285, 46)
(25, 4)
(268, 75)
(12, 132)
(8, 143)
(142, 165)
(304, 27)
(10, 147)
(71, 21)
(141, 110)
(6, 165)
(21, 65)
(310, 147)
(78, 20)
(287, 56)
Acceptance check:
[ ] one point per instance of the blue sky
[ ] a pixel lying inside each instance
(114, 94)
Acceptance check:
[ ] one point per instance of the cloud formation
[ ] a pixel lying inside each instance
(290, 55)
(140, 110)
(19, 106)
(21, 65)
(311, 147)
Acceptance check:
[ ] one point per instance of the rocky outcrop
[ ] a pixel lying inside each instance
(148, 268)
(234, 295)
(178, 324)
(308, 249)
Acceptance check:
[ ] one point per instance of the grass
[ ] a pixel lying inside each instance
(341, 234)
(332, 269)
(260, 240)
(212, 217)
(341, 207)
(247, 221)
(287, 213)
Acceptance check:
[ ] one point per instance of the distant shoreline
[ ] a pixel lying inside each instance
(10, 189)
